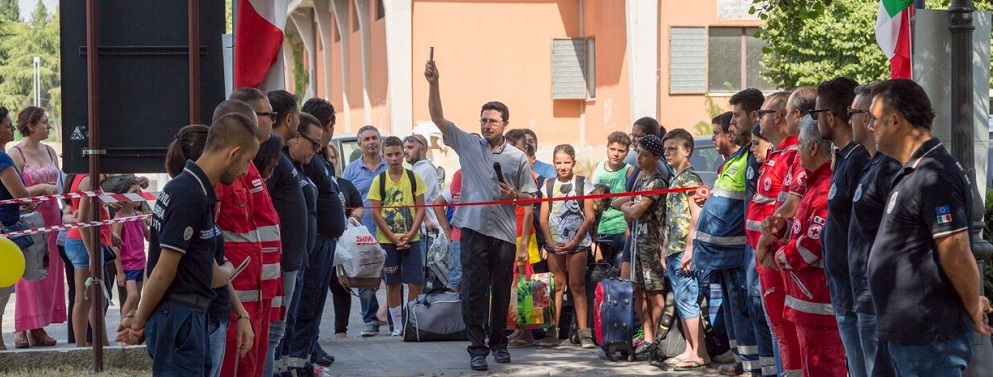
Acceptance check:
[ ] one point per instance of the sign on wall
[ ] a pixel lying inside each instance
(735, 10)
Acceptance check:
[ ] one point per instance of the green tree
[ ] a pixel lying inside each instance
(821, 42)
(811, 41)
(20, 43)
(10, 11)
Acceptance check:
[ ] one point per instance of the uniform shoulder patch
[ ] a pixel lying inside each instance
(187, 233)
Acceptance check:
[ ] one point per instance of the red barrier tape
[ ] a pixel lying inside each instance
(100, 195)
(702, 191)
(56, 228)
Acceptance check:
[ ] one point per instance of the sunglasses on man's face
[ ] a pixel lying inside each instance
(411, 139)
(853, 111)
(766, 112)
(272, 115)
(814, 114)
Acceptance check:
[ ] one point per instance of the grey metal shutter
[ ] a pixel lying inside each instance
(568, 68)
(687, 60)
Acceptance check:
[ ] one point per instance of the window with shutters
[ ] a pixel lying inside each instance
(715, 60)
(733, 64)
(687, 60)
(574, 68)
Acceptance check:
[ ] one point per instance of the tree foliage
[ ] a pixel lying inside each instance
(20, 43)
(811, 41)
(807, 45)
(10, 11)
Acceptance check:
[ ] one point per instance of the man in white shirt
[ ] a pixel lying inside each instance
(415, 150)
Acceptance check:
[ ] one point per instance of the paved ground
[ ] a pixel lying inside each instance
(385, 356)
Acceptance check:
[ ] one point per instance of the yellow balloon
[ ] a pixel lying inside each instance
(11, 262)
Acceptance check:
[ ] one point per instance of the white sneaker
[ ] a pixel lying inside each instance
(398, 331)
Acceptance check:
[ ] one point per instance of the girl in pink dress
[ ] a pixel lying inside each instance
(39, 303)
(131, 263)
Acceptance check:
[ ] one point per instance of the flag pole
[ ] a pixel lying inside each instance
(963, 121)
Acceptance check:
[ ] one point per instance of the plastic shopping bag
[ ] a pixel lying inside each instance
(359, 253)
(531, 303)
(440, 258)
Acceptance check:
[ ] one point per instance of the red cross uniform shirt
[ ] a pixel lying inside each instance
(808, 299)
(770, 184)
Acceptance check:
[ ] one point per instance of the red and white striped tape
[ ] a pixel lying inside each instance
(45, 198)
(124, 198)
(56, 228)
(99, 194)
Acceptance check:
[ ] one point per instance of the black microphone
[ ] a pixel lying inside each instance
(499, 171)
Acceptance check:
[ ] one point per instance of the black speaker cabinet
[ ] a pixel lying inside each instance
(144, 75)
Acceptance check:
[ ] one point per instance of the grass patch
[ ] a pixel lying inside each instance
(66, 371)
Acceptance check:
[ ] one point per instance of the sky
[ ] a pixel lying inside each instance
(27, 6)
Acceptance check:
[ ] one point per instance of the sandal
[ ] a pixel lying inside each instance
(673, 361)
(518, 343)
(39, 338)
(21, 340)
(691, 365)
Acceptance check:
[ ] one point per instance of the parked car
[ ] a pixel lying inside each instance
(348, 149)
(706, 160)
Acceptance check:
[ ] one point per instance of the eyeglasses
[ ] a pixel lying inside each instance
(852, 111)
(764, 112)
(313, 143)
(813, 113)
(272, 115)
(484, 121)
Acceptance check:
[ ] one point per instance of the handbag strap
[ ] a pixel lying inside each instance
(528, 270)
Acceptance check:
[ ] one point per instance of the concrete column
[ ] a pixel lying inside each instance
(399, 63)
(322, 12)
(362, 10)
(303, 19)
(340, 9)
(275, 78)
(642, 21)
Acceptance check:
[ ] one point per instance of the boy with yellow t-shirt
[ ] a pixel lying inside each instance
(398, 227)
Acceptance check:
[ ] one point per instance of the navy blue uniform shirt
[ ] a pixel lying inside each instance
(848, 165)
(287, 196)
(183, 221)
(330, 212)
(914, 299)
(867, 210)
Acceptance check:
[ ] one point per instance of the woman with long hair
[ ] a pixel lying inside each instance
(39, 303)
(12, 187)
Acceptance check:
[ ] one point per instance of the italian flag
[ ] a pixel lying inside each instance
(258, 39)
(893, 35)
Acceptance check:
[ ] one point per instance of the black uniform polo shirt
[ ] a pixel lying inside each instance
(330, 212)
(752, 174)
(183, 221)
(291, 206)
(867, 210)
(849, 162)
(914, 299)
